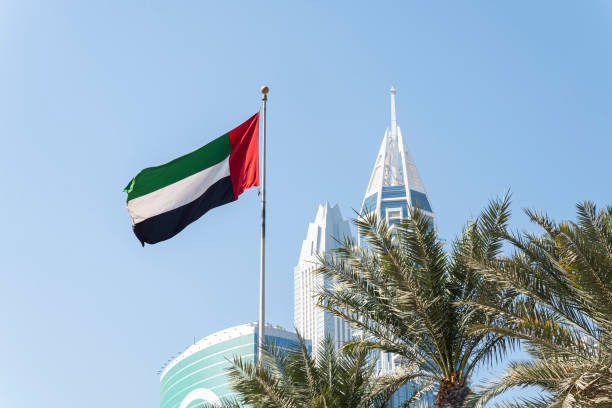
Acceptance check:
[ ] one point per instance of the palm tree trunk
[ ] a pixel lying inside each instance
(451, 394)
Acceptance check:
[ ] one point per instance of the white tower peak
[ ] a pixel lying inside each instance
(395, 184)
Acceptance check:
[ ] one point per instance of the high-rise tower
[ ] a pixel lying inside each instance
(394, 186)
(395, 183)
(324, 235)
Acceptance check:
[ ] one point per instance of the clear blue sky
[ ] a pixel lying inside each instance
(491, 95)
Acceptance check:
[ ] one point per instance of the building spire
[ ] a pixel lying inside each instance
(395, 184)
(392, 172)
(393, 117)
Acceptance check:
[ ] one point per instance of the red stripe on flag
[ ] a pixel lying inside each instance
(244, 156)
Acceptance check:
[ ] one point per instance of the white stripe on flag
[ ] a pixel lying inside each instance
(176, 194)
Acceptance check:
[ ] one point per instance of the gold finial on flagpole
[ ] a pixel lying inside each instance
(265, 89)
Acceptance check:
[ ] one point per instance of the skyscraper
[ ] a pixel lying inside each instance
(395, 183)
(324, 234)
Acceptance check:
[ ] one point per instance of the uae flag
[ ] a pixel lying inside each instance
(165, 199)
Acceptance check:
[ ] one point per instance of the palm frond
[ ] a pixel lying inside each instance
(562, 310)
(407, 296)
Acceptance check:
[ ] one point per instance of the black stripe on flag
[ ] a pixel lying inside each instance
(166, 225)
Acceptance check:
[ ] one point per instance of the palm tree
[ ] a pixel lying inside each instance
(406, 295)
(561, 310)
(292, 378)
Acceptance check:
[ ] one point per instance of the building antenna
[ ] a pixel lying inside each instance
(393, 117)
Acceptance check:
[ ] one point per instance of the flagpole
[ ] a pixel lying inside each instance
(262, 265)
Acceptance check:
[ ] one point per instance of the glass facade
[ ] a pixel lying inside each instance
(323, 235)
(419, 200)
(394, 198)
(199, 374)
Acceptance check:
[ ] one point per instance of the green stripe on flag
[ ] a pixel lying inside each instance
(154, 178)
